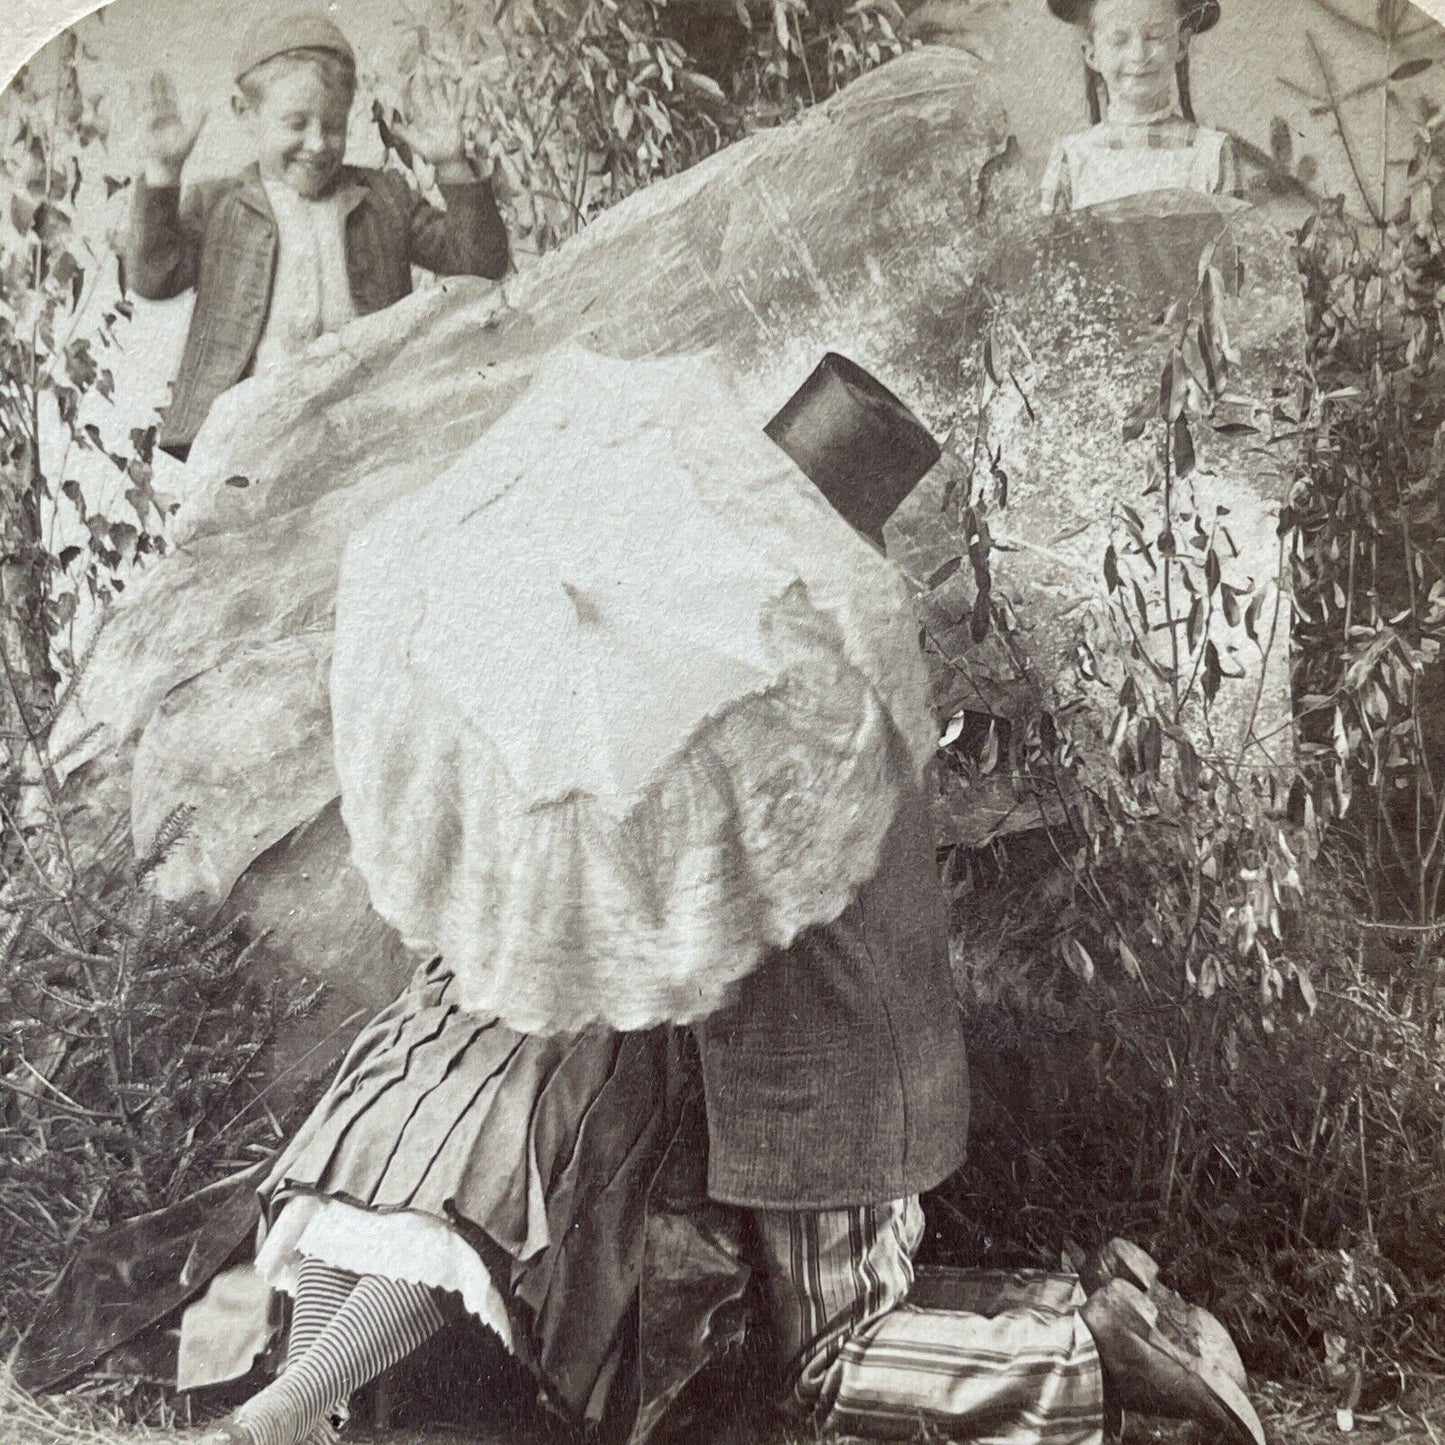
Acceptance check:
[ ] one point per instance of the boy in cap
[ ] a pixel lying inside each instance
(300, 242)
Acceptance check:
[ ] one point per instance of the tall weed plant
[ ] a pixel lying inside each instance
(1205, 997)
(132, 1041)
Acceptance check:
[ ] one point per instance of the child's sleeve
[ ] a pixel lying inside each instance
(469, 238)
(163, 247)
(1057, 191)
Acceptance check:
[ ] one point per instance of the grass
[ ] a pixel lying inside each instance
(1292, 1416)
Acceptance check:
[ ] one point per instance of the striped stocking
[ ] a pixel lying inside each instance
(321, 1290)
(380, 1323)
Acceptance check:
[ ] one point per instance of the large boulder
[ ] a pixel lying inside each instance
(864, 227)
(1065, 339)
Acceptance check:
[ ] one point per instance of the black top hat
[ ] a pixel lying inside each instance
(855, 441)
(1196, 15)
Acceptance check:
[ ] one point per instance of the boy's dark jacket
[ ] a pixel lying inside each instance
(221, 239)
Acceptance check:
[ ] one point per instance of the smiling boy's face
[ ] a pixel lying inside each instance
(297, 126)
(1135, 45)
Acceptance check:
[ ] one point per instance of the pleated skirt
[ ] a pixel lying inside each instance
(537, 1153)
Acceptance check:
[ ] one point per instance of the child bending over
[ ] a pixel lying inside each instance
(300, 242)
(1146, 139)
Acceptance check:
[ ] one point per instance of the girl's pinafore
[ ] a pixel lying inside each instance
(1114, 159)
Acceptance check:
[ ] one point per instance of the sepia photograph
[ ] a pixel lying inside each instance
(722, 721)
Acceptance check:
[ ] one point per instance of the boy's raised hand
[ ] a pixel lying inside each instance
(166, 137)
(436, 110)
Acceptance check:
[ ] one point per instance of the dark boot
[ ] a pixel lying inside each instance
(1118, 1259)
(1121, 1259)
(1153, 1365)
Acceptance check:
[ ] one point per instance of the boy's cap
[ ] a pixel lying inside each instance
(282, 31)
(1196, 15)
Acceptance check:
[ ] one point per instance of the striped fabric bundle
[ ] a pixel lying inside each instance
(1008, 1362)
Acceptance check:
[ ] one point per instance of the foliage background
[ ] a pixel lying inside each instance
(1237, 80)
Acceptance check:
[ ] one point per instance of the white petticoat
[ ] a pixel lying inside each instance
(400, 1244)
